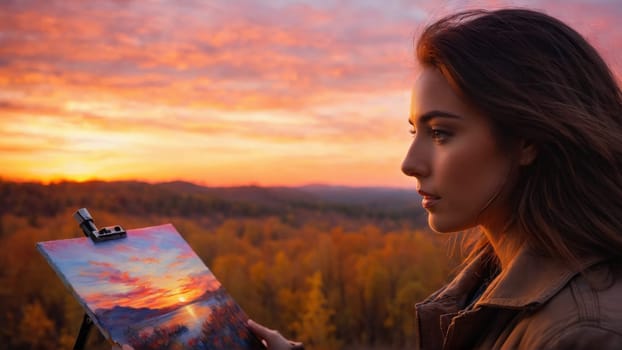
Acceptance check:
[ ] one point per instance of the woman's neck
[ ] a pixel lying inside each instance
(506, 243)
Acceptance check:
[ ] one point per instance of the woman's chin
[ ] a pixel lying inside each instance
(440, 225)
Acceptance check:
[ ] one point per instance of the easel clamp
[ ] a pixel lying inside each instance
(85, 220)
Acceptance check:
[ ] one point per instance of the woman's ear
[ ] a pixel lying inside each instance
(527, 152)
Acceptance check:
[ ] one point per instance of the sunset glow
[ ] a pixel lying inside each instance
(224, 92)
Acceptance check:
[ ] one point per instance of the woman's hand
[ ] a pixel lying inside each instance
(273, 339)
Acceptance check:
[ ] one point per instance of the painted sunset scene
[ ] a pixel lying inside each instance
(150, 291)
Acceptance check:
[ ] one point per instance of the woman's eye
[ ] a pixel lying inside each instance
(412, 131)
(439, 135)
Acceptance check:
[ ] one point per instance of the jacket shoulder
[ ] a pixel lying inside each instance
(585, 314)
(584, 335)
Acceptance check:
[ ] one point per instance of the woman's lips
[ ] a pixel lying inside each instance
(429, 200)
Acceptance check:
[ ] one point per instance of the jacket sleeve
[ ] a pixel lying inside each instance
(585, 337)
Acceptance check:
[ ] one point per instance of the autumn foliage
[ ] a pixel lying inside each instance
(334, 276)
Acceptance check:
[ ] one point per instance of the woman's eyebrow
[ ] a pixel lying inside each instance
(424, 118)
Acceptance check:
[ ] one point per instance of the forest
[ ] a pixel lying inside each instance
(336, 268)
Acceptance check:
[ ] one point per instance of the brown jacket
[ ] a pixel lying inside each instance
(535, 303)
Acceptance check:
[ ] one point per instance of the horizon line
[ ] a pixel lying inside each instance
(197, 183)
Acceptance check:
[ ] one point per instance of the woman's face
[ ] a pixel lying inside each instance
(454, 157)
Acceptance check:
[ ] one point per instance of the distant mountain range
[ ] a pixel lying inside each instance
(189, 200)
(367, 196)
(123, 316)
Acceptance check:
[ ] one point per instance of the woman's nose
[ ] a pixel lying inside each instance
(414, 164)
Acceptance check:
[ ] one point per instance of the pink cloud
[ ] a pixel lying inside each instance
(186, 254)
(101, 264)
(139, 63)
(145, 260)
(105, 272)
(307, 52)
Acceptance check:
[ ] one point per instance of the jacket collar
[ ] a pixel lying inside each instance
(434, 314)
(530, 279)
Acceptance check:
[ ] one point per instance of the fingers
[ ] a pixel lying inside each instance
(261, 331)
(294, 345)
(274, 339)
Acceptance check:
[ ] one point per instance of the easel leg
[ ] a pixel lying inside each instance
(83, 335)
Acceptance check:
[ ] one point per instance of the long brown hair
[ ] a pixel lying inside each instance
(540, 81)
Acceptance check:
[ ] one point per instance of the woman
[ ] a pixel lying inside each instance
(517, 126)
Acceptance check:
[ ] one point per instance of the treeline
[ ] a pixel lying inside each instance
(330, 279)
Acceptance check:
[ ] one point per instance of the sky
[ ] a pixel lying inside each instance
(225, 93)
(141, 271)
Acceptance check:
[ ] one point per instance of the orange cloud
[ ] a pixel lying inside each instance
(138, 296)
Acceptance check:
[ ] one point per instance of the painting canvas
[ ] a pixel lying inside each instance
(150, 291)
